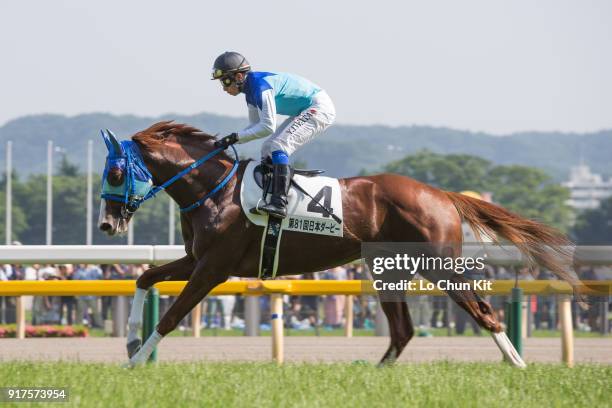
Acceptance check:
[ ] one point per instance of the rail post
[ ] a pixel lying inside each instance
(151, 318)
(3, 306)
(348, 316)
(196, 320)
(277, 327)
(515, 323)
(251, 315)
(605, 323)
(20, 317)
(567, 333)
(120, 315)
(528, 317)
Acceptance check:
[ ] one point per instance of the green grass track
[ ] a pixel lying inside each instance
(313, 385)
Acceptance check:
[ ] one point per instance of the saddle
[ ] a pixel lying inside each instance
(263, 175)
(263, 178)
(268, 261)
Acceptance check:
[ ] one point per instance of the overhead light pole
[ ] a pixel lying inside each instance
(8, 234)
(89, 206)
(49, 228)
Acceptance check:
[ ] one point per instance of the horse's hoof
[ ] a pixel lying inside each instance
(133, 347)
(385, 364)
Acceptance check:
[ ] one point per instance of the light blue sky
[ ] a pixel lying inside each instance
(497, 66)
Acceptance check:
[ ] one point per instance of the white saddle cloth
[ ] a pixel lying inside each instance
(303, 214)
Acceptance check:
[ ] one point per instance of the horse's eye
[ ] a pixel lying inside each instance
(115, 177)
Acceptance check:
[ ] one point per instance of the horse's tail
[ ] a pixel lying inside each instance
(539, 243)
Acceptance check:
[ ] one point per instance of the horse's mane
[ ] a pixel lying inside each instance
(158, 133)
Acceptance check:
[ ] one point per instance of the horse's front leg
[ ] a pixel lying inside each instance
(201, 282)
(178, 270)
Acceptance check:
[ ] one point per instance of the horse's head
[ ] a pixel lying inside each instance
(125, 182)
(171, 150)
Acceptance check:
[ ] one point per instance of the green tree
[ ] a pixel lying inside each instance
(530, 192)
(67, 168)
(30, 196)
(19, 223)
(594, 227)
(69, 207)
(69, 211)
(527, 191)
(451, 172)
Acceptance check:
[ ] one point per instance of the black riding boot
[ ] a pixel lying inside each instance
(280, 187)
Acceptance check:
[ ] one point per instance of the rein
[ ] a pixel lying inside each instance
(134, 162)
(188, 170)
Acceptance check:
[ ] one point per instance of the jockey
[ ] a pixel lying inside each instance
(309, 108)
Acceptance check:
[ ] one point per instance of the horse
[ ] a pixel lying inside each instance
(221, 242)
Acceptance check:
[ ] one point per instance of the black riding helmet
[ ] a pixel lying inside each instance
(227, 65)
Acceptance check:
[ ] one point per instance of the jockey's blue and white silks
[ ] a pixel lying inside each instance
(292, 94)
(309, 108)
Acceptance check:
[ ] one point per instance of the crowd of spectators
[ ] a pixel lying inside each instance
(301, 312)
(64, 310)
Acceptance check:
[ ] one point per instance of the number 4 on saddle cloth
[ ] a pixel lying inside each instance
(309, 199)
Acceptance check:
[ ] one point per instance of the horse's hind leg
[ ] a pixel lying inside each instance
(470, 301)
(180, 269)
(400, 328)
(393, 304)
(482, 312)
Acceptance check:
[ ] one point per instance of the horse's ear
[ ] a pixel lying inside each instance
(112, 144)
(107, 142)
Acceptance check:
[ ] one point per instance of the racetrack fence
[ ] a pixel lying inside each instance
(145, 254)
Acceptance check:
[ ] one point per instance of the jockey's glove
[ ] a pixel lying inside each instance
(227, 141)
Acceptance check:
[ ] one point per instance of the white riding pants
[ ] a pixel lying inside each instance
(298, 130)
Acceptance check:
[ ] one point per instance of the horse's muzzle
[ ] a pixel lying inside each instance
(106, 227)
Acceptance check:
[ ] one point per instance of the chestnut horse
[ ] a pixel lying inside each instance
(221, 242)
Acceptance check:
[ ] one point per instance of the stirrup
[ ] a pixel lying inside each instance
(257, 209)
(271, 211)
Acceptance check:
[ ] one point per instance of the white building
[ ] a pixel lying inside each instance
(587, 189)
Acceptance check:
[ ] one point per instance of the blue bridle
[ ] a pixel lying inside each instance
(137, 186)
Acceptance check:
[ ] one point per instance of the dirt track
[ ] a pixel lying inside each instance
(299, 349)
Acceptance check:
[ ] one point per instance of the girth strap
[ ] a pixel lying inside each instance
(270, 243)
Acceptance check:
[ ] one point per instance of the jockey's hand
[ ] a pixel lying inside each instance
(227, 141)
